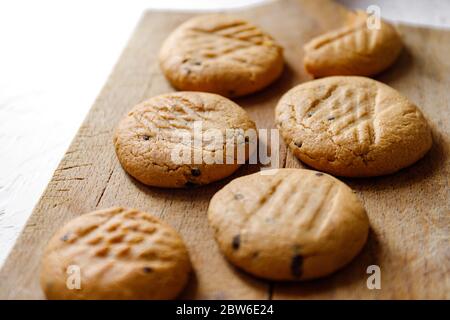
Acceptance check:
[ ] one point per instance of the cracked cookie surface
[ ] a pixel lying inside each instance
(288, 224)
(354, 49)
(220, 54)
(121, 254)
(147, 136)
(352, 126)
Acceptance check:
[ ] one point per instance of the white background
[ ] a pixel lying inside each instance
(54, 58)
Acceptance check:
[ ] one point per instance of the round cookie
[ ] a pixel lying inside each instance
(353, 50)
(352, 126)
(119, 254)
(220, 54)
(288, 224)
(149, 136)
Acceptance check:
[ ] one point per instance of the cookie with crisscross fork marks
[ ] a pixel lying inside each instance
(220, 54)
(147, 136)
(352, 126)
(355, 49)
(118, 254)
(288, 224)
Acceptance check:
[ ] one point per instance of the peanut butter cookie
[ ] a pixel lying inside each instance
(220, 54)
(151, 139)
(352, 126)
(354, 49)
(117, 254)
(293, 224)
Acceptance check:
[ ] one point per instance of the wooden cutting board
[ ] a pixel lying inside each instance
(409, 211)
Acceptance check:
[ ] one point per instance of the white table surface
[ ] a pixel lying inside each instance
(54, 58)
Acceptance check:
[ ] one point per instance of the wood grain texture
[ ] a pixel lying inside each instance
(409, 211)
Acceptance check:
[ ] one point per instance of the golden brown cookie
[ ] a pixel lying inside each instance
(354, 49)
(293, 224)
(221, 54)
(149, 134)
(352, 126)
(119, 253)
